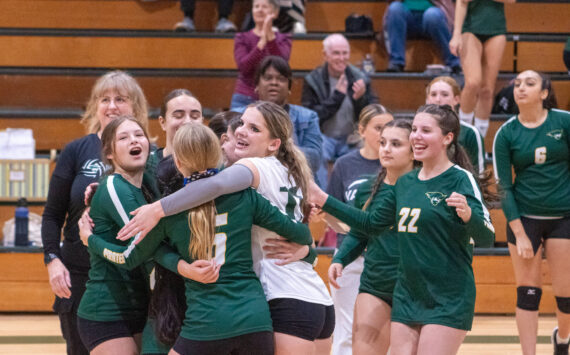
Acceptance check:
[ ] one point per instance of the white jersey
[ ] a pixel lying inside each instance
(297, 280)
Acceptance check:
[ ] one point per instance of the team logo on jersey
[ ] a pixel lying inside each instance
(93, 168)
(556, 134)
(350, 192)
(435, 197)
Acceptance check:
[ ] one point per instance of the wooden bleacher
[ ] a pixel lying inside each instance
(53, 50)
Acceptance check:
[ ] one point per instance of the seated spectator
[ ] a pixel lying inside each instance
(337, 91)
(224, 11)
(252, 46)
(273, 83)
(430, 19)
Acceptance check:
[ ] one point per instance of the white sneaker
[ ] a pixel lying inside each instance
(186, 25)
(299, 28)
(225, 25)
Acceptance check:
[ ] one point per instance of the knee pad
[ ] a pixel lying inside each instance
(563, 304)
(528, 298)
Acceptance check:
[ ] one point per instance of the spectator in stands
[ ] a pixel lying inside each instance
(273, 83)
(224, 11)
(349, 172)
(431, 19)
(337, 91)
(79, 164)
(252, 46)
(444, 90)
(291, 18)
(535, 145)
(479, 39)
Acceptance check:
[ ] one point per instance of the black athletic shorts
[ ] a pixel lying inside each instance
(302, 319)
(538, 230)
(259, 343)
(93, 333)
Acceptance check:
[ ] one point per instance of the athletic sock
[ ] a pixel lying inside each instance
(466, 117)
(482, 125)
(560, 340)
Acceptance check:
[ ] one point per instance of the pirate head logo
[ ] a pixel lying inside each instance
(435, 197)
(556, 134)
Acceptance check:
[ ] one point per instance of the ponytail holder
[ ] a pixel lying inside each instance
(197, 175)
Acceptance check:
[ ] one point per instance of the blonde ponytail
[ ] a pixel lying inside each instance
(197, 148)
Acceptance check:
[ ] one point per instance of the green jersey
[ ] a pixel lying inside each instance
(540, 158)
(112, 293)
(417, 5)
(472, 141)
(382, 252)
(485, 17)
(235, 304)
(435, 284)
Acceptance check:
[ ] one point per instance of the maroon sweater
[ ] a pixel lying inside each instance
(248, 57)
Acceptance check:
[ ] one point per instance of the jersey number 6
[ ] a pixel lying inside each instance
(405, 213)
(540, 155)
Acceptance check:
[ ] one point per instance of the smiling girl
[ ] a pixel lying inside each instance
(436, 211)
(79, 164)
(444, 90)
(229, 316)
(113, 310)
(371, 326)
(301, 308)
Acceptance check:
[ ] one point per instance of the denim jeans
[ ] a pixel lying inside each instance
(401, 23)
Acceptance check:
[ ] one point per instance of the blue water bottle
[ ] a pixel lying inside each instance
(22, 217)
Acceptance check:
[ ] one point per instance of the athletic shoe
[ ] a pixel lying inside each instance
(186, 25)
(559, 349)
(225, 25)
(299, 28)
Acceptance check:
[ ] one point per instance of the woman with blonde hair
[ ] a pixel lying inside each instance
(300, 305)
(219, 230)
(79, 164)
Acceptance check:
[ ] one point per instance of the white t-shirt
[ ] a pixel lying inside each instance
(297, 280)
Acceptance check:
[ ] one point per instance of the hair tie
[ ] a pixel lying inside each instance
(197, 175)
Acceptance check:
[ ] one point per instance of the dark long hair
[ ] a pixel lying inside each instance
(448, 121)
(167, 302)
(550, 102)
(403, 123)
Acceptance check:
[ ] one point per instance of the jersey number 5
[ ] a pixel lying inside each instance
(405, 213)
(540, 155)
(220, 239)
